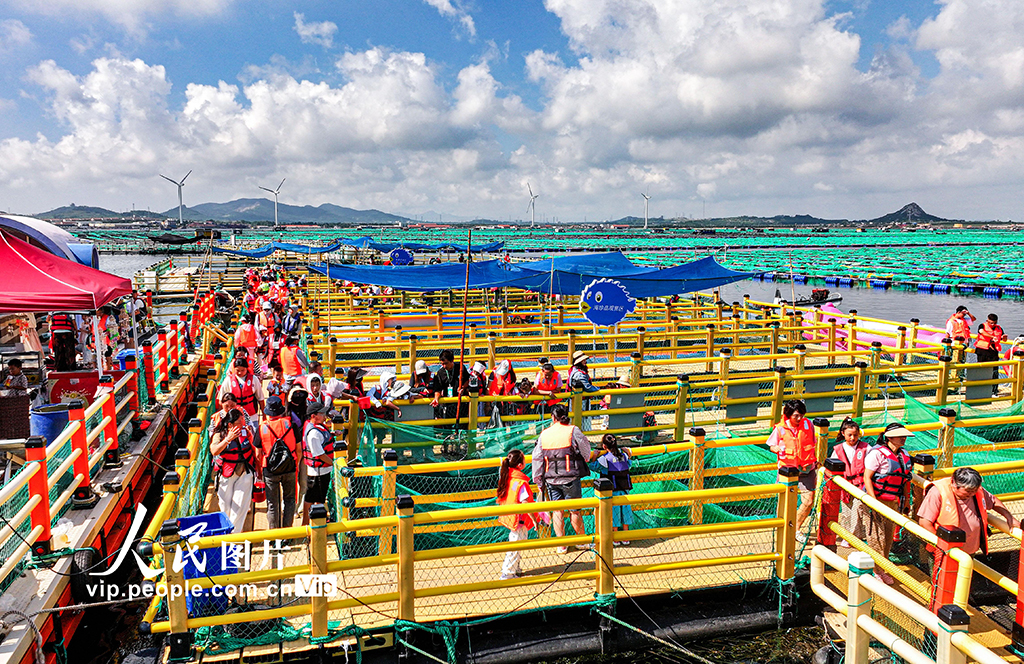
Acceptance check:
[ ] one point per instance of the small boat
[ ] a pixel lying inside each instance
(818, 296)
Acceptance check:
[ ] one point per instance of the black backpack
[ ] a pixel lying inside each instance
(280, 461)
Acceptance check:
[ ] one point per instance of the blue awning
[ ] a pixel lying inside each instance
(566, 275)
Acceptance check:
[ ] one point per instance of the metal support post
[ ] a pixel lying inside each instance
(947, 442)
(682, 395)
(859, 603)
(179, 639)
(831, 499)
(318, 565)
(859, 388)
(38, 487)
(697, 473)
(785, 535)
(406, 567)
(605, 537)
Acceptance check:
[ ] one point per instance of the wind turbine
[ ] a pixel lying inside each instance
(647, 200)
(179, 185)
(275, 192)
(532, 207)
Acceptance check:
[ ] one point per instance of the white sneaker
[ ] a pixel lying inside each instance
(585, 547)
(506, 577)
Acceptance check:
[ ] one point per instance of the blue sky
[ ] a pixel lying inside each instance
(839, 109)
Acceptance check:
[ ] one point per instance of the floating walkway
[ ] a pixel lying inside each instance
(410, 534)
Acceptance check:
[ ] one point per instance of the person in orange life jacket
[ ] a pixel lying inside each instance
(247, 336)
(958, 325)
(276, 385)
(248, 389)
(501, 383)
(236, 459)
(959, 502)
(560, 459)
(793, 440)
(514, 489)
(293, 361)
(318, 453)
(988, 344)
(548, 382)
(614, 465)
(852, 451)
(280, 486)
(887, 474)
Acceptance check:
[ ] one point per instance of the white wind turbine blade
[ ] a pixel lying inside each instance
(265, 189)
(280, 185)
(182, 183)
(531, 191)
(174, 182)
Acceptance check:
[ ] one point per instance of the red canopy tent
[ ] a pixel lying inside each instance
(34, 280)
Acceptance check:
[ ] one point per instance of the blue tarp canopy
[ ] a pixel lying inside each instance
(565, 275)
(358, 243)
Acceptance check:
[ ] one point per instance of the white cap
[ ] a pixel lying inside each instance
(479, 367)
(421, 368)
(267, 305)
(503, 367)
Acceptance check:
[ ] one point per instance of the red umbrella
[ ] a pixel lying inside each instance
(34, 280)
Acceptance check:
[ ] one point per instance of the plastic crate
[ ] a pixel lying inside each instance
(205, 525)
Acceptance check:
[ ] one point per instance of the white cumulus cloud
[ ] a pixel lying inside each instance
(321, 33)
(456, 12)
(13, 35)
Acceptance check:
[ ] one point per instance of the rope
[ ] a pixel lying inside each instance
(669, 644)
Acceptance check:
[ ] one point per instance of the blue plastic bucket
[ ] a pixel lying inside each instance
(205, 525)
(48, 421)
(124, 355)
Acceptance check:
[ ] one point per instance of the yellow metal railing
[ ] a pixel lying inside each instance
(950, 626)
(405, 591)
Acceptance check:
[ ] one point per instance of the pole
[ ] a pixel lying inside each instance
(462, 351)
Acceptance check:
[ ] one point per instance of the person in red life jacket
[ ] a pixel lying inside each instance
(293, 361)
(382, 401)
(548, 382)
(281, 455)
(614, 465)
(960, 502)
(63, 336)
(502, 384)
(523, 389)
(852, 451)
(514, 489)
(958, 326)
(560, 459)
(988, 344)
(793, 441)
(248, 389)
(236, 459)
(247, 336)
(478, 376)
(316, 396)
(266, 321)
(318, 452)
(887, 474)
(276, 385)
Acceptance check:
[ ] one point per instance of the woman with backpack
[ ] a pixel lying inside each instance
(281, 452)
(514, 489)
(236, 459)
(614, 465)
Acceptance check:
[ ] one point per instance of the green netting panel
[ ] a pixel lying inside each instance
(426, 443)
(8, 510)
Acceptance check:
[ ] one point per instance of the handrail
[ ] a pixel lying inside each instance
(864, 586)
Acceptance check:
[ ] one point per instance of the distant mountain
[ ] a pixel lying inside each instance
(910, 213)
(262, 209)
(85, 212)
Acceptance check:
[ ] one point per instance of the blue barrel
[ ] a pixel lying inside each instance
(124, 355)
(206, 525)
(48, 421)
